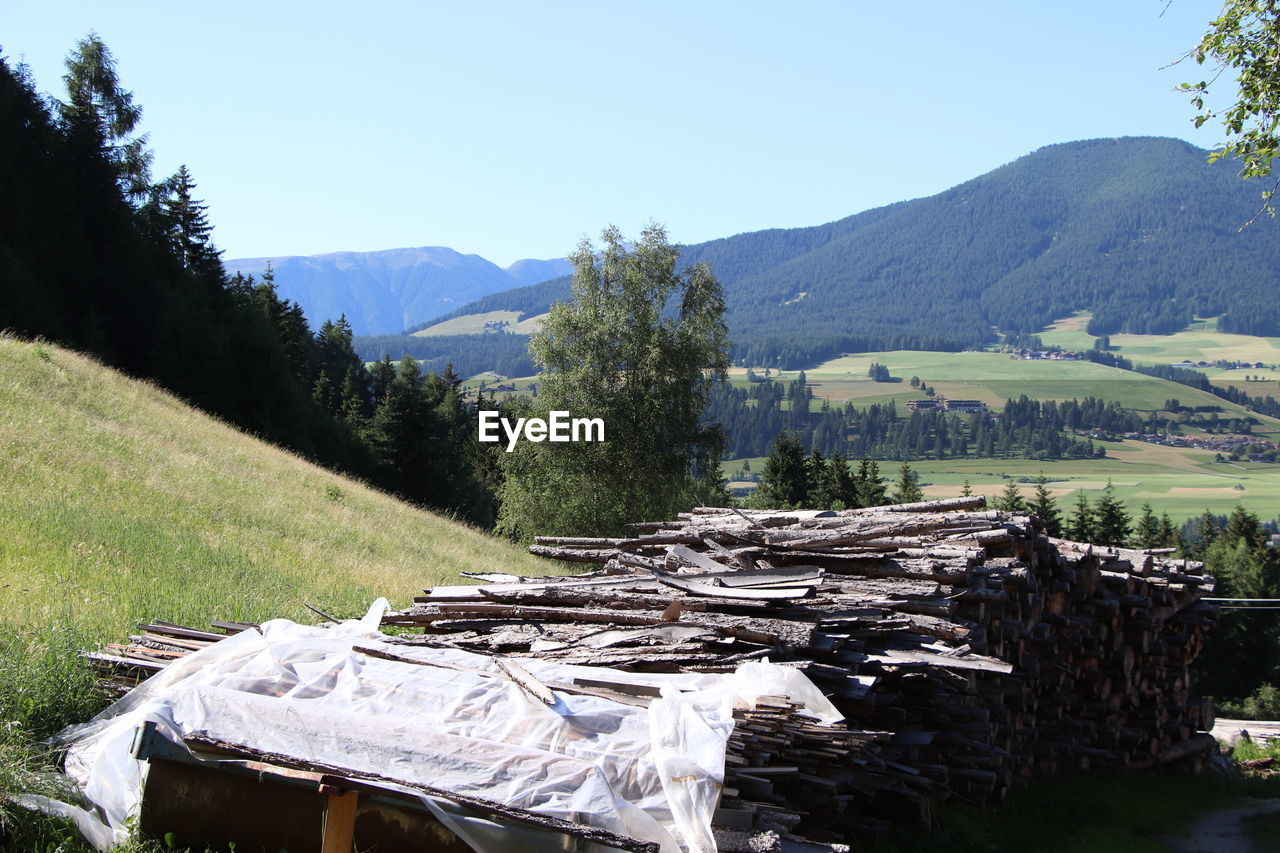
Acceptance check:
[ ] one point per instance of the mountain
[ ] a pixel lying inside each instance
(388, 291)
(1142, 232)
(529, 271)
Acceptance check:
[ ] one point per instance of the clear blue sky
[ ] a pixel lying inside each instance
(511, 129)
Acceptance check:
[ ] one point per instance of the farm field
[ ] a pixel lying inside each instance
(995, 377)
(1201, 341)
(474, 324)
(1180, 481)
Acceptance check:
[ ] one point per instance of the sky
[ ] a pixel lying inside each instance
(514, 129)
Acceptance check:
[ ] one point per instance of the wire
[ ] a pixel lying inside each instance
(1268, 600)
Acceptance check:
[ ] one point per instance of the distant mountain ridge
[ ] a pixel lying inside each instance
(1141, 231)
(386, 292)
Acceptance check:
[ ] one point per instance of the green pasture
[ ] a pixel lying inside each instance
(1201, 341)
(994, 378)
(473, 324)
(1180, 481)
(119, 503)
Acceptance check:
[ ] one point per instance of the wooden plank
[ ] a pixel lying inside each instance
(490, 807)
(339, 819)
(694, 587)
(526, 681)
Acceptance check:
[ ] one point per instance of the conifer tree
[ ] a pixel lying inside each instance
(870, 488)
(1146, 532)
(1081, 527)
(1111, 520)
(186, 225)
(1207, 531)
(1044, 507)
(784, 482)
(1011, 499)
(966, 491)
(841, 485)
(907, 490)
(98, 107)
(1168, 533)
(819, 496)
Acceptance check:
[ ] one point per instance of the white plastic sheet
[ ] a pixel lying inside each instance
(653, 774)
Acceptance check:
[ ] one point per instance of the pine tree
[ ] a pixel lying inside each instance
(1207, 531)
(384, 374)
(819, 495)
(870, 488)
(966, 491)
(1081, 528)
(907, 490)
(1168, 537)
(841, 484)
(186, 227)
(1243, 526)
(1011, 499)
(1111, 520)
(1045, 507)
(1146, 532)
(784, 482)
(97, 106)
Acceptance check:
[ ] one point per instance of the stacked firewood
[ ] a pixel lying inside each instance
(965, 648)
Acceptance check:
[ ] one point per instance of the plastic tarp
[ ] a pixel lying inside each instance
(650, 773)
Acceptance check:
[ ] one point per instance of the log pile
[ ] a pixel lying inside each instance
(965, 648)
(122, 666)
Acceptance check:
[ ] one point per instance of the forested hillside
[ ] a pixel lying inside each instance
(1142, 232)
(97, 255)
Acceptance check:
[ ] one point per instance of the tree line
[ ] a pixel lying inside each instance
(97, 255)
(754, 415)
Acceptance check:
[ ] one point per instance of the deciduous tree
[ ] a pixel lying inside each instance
(640, 346)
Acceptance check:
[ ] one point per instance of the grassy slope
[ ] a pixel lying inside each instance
(1201, 341)
(473, 324)
(119, 503)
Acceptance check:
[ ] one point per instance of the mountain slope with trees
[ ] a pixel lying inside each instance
(1142, 232)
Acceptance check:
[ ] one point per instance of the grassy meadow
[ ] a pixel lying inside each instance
(118, 502)
(1201, 341)
(995, 377)
(1183, 482)
(473, 324)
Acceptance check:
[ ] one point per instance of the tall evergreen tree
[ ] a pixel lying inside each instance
(907, 490)
(99, 106)
(841, 485)
(784, 482)
(1082, 527)
(1111, 520)
(1146, 531)
(819, 495)
(1168, 537)
(1011, 499)
(870, 488)
(1044, 507)
(186, 225)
